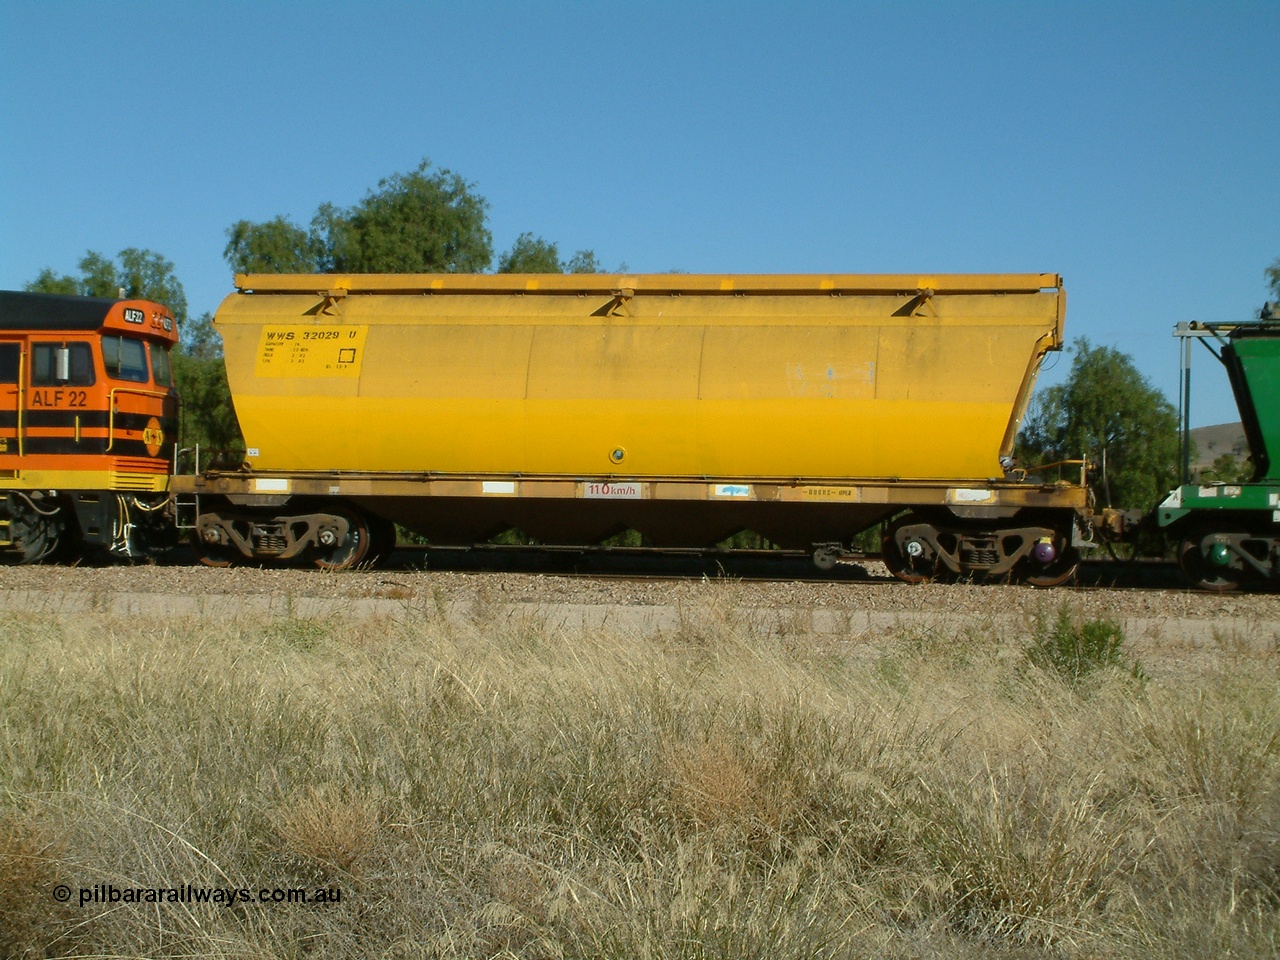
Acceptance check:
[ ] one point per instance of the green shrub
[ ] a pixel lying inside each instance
(1075, 647)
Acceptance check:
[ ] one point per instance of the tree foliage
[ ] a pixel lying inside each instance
(425, 221)
(47, 281)
(585, 261)
(419, 222)
(1273, 277)
(208, 415)
(1108, 412)
(277, 246)
(134, 274)
(1226, 468)
(530, 254)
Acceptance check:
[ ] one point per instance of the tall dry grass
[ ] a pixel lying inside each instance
(494, 787)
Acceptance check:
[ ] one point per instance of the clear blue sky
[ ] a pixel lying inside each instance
(1132, 147)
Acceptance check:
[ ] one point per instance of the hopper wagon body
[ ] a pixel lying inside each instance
(806, 408)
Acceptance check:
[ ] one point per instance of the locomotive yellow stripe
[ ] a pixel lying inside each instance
(83, 480)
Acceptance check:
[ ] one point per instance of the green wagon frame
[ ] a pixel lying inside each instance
(1229, 533)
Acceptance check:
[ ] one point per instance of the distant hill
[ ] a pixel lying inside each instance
(1213, 442)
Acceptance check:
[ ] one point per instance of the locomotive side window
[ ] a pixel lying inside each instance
(44, 365)
(125, 359)
(160, 365)
(9, 353)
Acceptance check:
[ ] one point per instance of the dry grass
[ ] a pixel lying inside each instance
(492, 786)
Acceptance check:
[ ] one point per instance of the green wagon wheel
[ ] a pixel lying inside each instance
(1202, 571)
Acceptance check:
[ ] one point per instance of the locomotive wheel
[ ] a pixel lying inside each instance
(898, 555)
(1200, 569)
(351, 550)
(38, 532)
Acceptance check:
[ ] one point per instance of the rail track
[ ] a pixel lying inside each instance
(745, 565)
(675, 565)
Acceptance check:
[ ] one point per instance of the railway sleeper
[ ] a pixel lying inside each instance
(273, 538)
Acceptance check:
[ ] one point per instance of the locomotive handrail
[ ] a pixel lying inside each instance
(111, 405)
(22, 394)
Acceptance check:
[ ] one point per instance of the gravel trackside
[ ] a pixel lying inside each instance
(1166, 623)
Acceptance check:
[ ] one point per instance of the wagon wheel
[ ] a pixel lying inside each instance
(1057, 571)
(909, 559)
(216, 554)
(345, 551)
(1200, 570)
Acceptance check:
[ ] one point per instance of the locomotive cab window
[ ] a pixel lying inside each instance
(160, 365)
(59, 364)
(9, 354)
(125, 359)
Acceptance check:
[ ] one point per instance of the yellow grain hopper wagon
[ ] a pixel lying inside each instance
(806, 408)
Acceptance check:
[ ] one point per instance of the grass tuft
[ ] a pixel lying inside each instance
(31, 855)
(333, 834)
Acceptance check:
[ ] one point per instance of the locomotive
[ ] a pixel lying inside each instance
(88, 423)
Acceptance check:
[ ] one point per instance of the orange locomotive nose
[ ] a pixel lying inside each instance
(86, 424)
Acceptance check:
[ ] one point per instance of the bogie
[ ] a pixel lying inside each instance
(918, 548)
(31, 527)
(332, 536)
(1223, 559)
